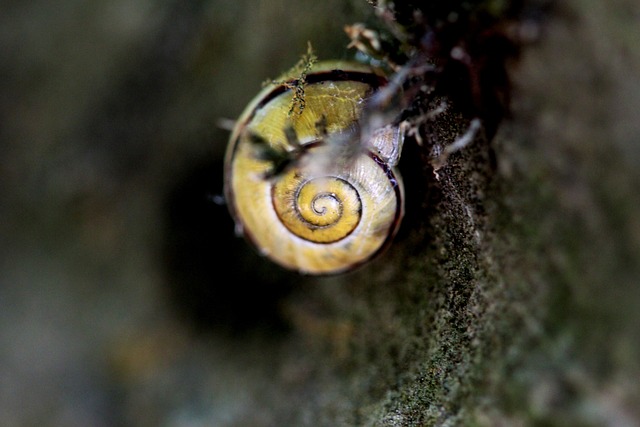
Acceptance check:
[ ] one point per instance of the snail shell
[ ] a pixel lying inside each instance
(301, 186)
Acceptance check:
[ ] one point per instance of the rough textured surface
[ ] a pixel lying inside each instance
(509, 298)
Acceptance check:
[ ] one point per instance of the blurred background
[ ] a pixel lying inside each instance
(126, 299)
(114, 250)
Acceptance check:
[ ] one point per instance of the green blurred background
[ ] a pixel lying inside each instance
(113, 249)
(126, 299)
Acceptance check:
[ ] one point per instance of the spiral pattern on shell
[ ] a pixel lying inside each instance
(323, 212)
(322, 209)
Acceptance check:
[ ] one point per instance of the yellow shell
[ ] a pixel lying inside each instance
(333, 204)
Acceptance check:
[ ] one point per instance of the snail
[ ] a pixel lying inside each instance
(306, 183)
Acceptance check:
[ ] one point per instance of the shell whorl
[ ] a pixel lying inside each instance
(322, 209)
(324, 212)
